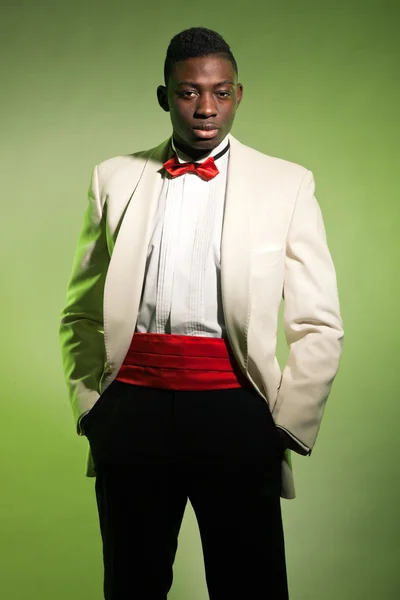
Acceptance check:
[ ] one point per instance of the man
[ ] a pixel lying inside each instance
(169, 334)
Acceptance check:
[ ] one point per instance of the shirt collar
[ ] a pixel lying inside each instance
(182, 157)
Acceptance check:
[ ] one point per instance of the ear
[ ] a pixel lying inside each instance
(239, 94)
(163, 97)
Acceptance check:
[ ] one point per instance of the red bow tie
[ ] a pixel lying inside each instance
(206, 170)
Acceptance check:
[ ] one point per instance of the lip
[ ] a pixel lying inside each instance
(208, 125)
(205, 133)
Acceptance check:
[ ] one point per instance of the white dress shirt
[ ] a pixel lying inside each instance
(181, 292)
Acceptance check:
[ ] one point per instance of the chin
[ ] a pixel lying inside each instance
(200, 143)
(205, 143)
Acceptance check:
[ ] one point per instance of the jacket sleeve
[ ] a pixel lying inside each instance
(312, 321)
(82, 329)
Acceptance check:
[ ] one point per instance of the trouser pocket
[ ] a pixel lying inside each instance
(98, 410)
(273, 429)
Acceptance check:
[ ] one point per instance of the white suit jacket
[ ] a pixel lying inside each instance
(273, 246)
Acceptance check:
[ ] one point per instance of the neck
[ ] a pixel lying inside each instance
(192, 152)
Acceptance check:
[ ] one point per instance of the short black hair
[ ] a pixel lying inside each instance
(193, 42)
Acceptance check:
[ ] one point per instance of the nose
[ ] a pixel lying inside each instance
(206, 106)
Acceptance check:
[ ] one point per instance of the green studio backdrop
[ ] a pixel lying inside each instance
(321, 88)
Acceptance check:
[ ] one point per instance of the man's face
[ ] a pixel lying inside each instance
(210, 95)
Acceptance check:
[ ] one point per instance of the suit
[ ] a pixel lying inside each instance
(273, 245)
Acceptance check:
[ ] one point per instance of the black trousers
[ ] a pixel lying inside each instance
(154, 449)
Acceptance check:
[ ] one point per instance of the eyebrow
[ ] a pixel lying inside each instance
(197, 85)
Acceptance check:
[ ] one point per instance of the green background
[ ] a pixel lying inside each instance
(321, 88)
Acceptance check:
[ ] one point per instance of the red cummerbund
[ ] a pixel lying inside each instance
(180, 362)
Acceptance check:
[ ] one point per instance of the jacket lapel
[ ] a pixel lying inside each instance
(235, 253)
(125, 274)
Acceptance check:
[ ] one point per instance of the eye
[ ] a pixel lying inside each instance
(224, 94)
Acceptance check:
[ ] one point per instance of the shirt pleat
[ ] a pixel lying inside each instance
(181, 289)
